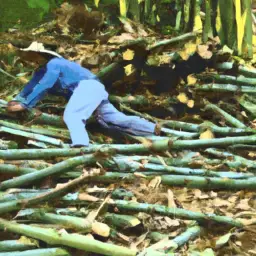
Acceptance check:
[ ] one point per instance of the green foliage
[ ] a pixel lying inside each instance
(24, 14)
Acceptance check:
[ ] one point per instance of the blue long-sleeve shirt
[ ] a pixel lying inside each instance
(59, 76)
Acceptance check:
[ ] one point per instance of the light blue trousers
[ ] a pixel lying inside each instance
(90, 95)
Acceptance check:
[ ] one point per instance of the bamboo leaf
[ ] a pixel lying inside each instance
(207, 135)
(128, 54)
(223, 240)
(191, 80)
(129, 69)
(182, 97)
(190, 103)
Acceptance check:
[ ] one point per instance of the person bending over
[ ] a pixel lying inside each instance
(85, 93)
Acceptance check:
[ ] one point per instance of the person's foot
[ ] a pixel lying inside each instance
(15, 106)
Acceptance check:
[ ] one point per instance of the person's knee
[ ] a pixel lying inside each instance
(67, 117)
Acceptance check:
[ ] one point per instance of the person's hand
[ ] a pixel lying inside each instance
(15, 106)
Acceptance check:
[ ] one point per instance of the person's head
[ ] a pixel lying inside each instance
(35, 57)
(37, 54)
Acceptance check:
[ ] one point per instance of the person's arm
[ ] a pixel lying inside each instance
(47, 82)
(28, 88)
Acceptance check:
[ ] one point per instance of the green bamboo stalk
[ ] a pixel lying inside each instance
(242, 146)
(43, 197)
(34, 164)
(248, 38)
(227, 15)
(173, 212)
(158, 146)
(79, 224)
(219, 142)
(207, 23)
(108, 69)
(7, 74)
(156, 236)
(44, 118)
(16, 245)
(229, 118)
(189, 126)
(121, 221)
(240, 80)
(225, 88)
(70, 198)
(33, 136)
(245, 71)
(184, 181)
(190, 234)
(188, 135)
(39, 252)
(5, 144)
(236, 162)
(15, 170)
(41, 131)
(77, 241)
(125, 165)
(130, 164)
(177, 39)
(58, 168)
(179, 15)
(32, 116)
(225, 130)
(187, 11)
(247, 102)
(196, 12)
(171, 245)
(142, 101)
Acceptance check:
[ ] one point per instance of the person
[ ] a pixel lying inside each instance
(85, 93)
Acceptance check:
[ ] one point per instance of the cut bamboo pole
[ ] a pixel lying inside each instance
(77, 241)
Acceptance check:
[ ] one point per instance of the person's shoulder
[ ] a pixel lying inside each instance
(54, 62)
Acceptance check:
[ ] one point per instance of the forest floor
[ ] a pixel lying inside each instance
(202, 162)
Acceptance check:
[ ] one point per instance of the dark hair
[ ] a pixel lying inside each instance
(47, 55)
